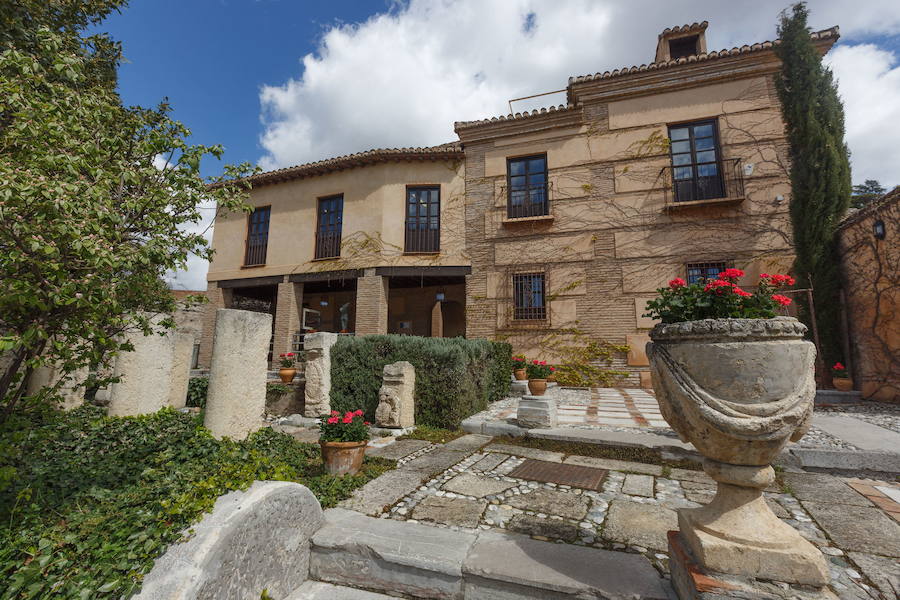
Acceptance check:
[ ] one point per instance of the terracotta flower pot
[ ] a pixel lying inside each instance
(843, 384)
(520, 375)
(342, 458)
(537, 387)
(287, 375)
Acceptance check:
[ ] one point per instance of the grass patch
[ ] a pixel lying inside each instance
(640, 455)
(88, 502)
(435, 435)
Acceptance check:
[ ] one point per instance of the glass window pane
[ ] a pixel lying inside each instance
(705, 157)
(517, 182)
(516, 167)
(681, 159)
(517, 197)
(710, 170)
(538, 179)
(684, 172)
(681, 147)
(536, 165)
(679, 134)
(705, 143)
(703, 131)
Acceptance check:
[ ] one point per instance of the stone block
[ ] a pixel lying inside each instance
(468, 442)
(398, 449)
(252, 540)
(638, 524)
(518, 388)
(637, 354)
(502, 566)
(552, 529)
(646, 378)
(467, 484)
(71, 391)
(537, 412)
(151, 376)
(883, 572)
(824, 458)
(318, 373)
(396, 398)
(614, 465)
(460, 512)
(319, 590)
(818, 487)
(526, 452)
(236, 399)
(395, 557)
(381, 492)
(638, 485)
(857, 528)
(551, 502)
(434, 462)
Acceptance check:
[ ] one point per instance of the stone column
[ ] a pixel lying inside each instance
(71, 392)
(396, 398)
(318, 373)
(145, 374)
(218, 298)
(536, 412)
(183, 351)
(371, 304)
(288, 311)
(236, 399)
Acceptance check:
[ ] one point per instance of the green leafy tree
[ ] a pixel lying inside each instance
(88, 223)
(820, 170)
(864, 193)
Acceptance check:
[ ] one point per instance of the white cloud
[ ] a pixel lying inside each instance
(869, 83)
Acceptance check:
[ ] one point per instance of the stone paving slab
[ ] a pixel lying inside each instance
(637, 524)
(461, 512)
(472, 485)
(434, 462)
(883, 572)
(614, 465)
(861, 434)
(468, 443)
(557, 569)
(543, 529)
(526, 452)
(490, 462)
(398, 450)
(383, 491)
(541, 500)
(821, 488)
(638, 485)
(857, 528)
(319, 590)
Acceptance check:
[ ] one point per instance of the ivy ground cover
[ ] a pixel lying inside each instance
(87, 502)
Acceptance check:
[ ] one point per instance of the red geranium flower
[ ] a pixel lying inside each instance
(332, 420)
(543, 362)
(552, 369)
(838, 367)
(729, 274)
(678, 282)
(534, 361)
(782, 300)
(778, 280)
(334, 413)
(717, 285)
(348, 419)
(741, 293)
(366, 423)
(358, 413)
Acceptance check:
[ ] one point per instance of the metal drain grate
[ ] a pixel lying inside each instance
(585, 478)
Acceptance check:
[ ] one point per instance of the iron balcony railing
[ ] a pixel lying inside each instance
(697, 182)
(527, 201)
(328, 244)
(256, 249)
(421, 237)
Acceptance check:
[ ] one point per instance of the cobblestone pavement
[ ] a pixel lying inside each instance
(855, 527)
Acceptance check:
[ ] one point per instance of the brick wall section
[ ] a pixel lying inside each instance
(481, 312)
(288, 307)
(371, 304)
(217, 300)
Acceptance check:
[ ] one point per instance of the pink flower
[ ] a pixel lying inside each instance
(358, 413)
(782, 300)
(678, 282)
(348, 419)
(730, 274)
(741, 293)
(332, 420)
(838, 366)
(334, 413)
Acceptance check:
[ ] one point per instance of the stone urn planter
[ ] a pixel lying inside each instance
(843, 384)
(287, 375)
(343, 458)
(520, 375)
(738, 390)
(537, 387)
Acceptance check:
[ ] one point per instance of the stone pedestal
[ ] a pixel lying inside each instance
(396, 398)
(153, 375)
(236, 399)
(536, 412)
(318, 373)
(518, 388)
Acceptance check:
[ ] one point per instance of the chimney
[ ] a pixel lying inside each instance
(681, 42)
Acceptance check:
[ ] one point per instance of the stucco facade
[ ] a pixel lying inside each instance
(611, 226)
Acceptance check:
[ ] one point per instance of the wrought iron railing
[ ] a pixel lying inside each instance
(328, 244)
(422, 238)
(256, 249)
(720, 180)
(527, 201)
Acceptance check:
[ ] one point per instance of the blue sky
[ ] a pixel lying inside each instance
(283, 82)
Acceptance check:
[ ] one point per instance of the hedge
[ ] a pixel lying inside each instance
(455, 377)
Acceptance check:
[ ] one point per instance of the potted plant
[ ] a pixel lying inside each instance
(519, 367)
(737, 382)
(287, 370)
(343, 440)
(841, 378)
(538, 371)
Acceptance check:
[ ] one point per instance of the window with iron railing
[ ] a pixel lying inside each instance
(257, 236)
(423, 219)
(704, 271)
(696, 161)
(328, 226)
(529, 301)
(526, 180)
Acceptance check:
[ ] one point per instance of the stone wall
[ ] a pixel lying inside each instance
(252, 540)
(372, 304)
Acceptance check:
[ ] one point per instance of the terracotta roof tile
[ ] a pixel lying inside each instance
(872, 207)
(519, 115)
(693, 27)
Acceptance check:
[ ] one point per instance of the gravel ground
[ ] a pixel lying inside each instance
(877, 413)
(816, 438)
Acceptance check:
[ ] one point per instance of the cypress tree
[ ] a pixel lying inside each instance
(819, 172)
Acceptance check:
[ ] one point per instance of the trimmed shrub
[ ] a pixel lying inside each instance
(455, 377)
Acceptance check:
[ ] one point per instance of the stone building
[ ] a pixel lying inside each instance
(539, 228)
(870, 261)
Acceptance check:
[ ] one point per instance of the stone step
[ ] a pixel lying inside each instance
(421, 561)
(318, 590)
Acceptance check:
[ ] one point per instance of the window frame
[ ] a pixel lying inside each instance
(725, 264)
(321, 246)
(260, 256)
(509, 187)
(521, 313)
(436, 242)
(719, 161)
